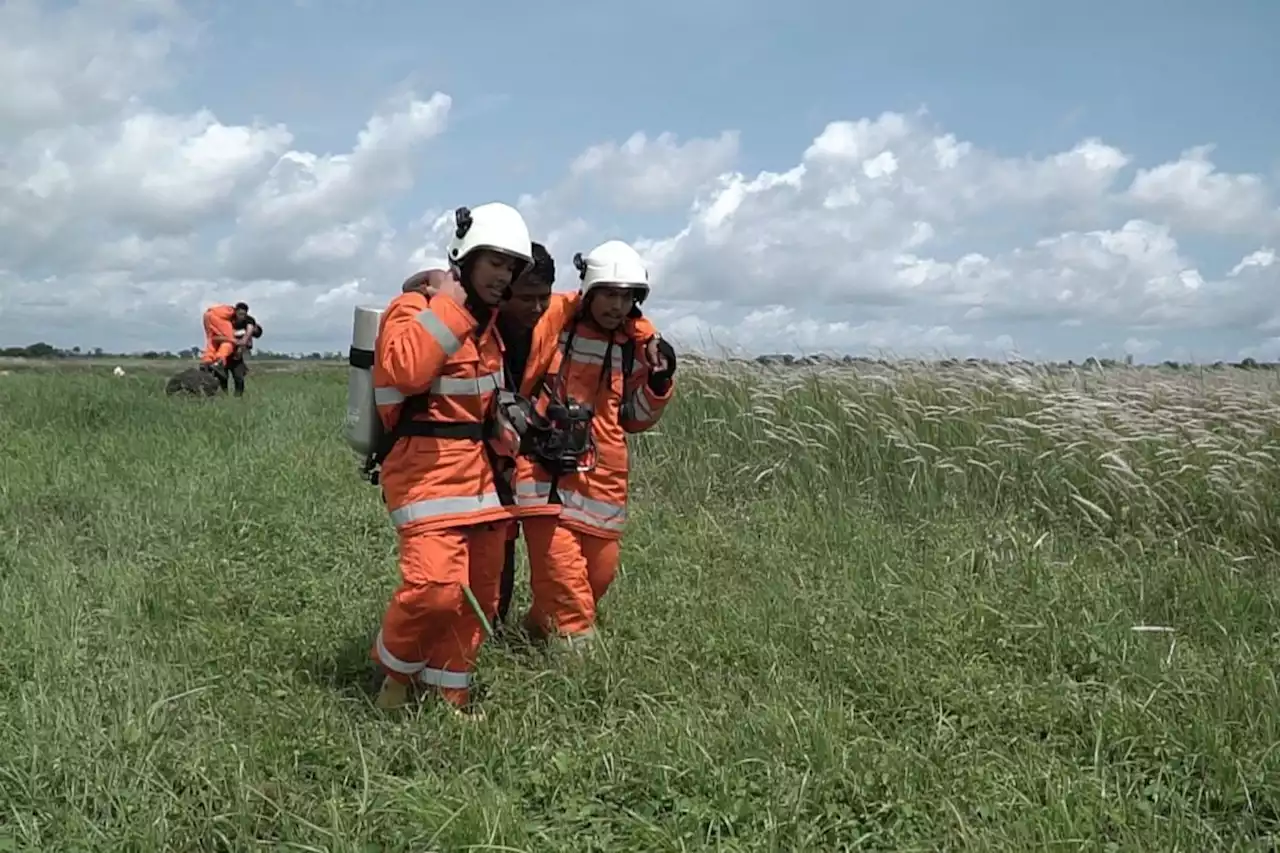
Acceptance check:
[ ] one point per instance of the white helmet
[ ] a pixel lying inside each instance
(613, 264)
(494, 226)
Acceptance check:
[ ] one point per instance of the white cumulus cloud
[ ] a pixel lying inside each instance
(120, 219)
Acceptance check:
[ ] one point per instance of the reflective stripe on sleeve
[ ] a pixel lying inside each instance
(640, 408)
(436, 328)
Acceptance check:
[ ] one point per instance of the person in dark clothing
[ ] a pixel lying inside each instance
(518, 313)
(247, 331)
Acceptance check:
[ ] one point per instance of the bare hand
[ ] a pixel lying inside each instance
(435, 283)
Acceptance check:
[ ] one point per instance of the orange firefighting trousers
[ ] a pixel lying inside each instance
(430, 633)
(569, 573)
(216, 325)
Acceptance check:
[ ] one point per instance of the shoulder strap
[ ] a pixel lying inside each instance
(540, 384)
(628, 356)
(628, 353)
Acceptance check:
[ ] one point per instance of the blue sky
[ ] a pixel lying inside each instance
(532, 87)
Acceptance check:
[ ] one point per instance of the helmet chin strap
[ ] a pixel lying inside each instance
(476, 306)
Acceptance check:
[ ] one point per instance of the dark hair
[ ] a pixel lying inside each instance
(242, 306)
(544, 266)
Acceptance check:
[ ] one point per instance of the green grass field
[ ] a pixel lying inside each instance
(914, 611)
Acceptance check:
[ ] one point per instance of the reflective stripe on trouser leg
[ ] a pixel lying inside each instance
(452, 657)
(562, 597)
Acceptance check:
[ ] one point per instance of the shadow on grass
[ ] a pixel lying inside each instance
(345, 667)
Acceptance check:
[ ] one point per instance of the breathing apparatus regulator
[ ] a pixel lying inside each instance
(568, 446)
(559, 440)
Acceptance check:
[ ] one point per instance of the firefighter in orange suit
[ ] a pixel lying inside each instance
(219, 334)
(450, 502)
(599, 350)
(518, 314)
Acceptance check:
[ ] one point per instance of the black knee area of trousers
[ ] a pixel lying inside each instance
(238, 369)
(508, 585)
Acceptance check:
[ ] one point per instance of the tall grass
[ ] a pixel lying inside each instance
(1147, 454)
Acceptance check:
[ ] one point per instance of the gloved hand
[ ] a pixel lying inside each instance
(663, 368)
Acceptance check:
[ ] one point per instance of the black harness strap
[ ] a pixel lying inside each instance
(360, 358)
(626, 411)
(408, 426)
(443, 429)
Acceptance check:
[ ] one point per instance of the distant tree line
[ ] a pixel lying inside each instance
(44, 350)
(1089, 363)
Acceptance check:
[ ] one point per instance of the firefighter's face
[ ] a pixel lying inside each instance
(528, 302)
(492, 274)
(610, 306)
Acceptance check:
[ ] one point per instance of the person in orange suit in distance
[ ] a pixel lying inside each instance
(450, 503)
(220, 333)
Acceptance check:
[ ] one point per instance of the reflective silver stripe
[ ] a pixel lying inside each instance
(589, 346)
(436, 328)
(394, 663)
(601, 514)
(446, 679)
(387, 396)
(591, 351)
(640, 408)
(439, 507)
(450, 386)
(453, 386)
(532, 492)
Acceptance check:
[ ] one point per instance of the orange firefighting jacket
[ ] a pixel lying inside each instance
(217, 322)
(432, 344)
(593, 502)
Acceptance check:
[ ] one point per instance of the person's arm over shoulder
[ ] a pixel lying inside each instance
(546, 338)
(417, 337)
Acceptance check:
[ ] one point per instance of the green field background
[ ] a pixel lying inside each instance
(904, 609)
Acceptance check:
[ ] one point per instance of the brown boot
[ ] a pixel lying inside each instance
(393, 695)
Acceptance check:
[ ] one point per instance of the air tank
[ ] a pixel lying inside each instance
(362, 428)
